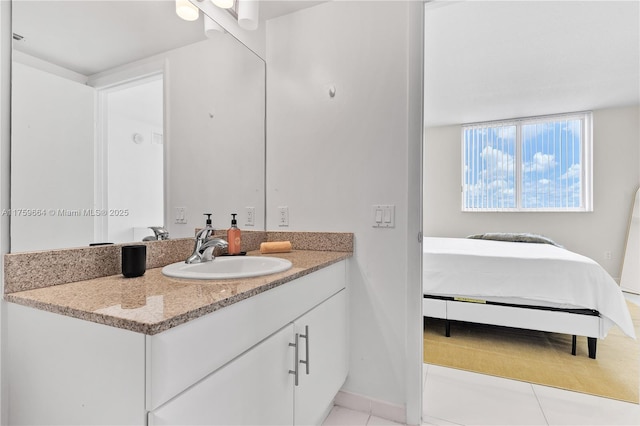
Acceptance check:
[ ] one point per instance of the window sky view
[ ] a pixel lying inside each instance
(548, 154)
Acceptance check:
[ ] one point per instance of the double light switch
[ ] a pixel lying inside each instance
(384, 216)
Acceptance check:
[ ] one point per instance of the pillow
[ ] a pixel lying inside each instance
(515, 238)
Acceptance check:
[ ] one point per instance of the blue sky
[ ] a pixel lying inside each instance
(550, 166)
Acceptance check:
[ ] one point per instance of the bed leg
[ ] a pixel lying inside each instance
(592, 343)
(447, 328)
(573, 345)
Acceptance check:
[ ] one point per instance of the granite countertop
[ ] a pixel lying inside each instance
(154, 303)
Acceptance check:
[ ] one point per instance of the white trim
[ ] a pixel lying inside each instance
(587, 173)
(414, 337)
(127, 73)
(33, 62)
(166, 141)
(100, 167)
(5, 190)
(373, 407)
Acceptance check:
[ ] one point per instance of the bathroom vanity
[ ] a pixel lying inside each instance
(158, 350)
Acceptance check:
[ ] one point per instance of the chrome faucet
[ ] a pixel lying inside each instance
(206, 244)
(204, 250)
(160, 234)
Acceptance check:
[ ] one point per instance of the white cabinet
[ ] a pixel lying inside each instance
(325, 367)
(260, 386)
(232, 366)
(65, 371)
(253, 389)
(181, 356)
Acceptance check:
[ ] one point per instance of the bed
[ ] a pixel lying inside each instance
(532, 285)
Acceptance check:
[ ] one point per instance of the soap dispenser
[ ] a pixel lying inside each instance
(208, 230)
(233, 236)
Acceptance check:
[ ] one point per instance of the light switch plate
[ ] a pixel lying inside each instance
(384, 216)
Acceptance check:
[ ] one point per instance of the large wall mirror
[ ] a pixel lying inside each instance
(125, 116)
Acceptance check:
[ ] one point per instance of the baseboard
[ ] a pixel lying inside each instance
(374, 407)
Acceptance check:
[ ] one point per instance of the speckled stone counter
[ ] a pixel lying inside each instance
(153, 303)
(38, 269)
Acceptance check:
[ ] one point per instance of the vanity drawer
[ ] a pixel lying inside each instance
(181, 356)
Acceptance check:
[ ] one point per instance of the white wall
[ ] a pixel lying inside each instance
(616, 146)
(330, 159)
(52, 159)
(215, 134)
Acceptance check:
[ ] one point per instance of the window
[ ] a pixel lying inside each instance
(528, 164)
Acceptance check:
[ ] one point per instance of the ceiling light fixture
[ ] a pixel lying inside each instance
(186, 10)
(212, 28)
(248, 14)
(223, 4)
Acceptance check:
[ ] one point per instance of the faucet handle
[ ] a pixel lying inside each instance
(161, 232)
(204, 233)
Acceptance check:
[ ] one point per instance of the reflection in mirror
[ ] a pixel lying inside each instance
(124, 116)
(130, 149)
(630, 279)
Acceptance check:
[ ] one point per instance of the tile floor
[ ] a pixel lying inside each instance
(455, 397)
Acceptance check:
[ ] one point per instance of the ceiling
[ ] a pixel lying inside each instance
(484, 60)
(496, 60)
(270, 9)
(79, 35)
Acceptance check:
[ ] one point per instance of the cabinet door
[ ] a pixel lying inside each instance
(254, 388)
(327, 361)
(184, 355)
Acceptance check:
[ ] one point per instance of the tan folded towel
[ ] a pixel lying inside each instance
(275, 247)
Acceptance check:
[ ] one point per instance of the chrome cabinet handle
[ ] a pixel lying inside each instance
(295, 370)
(306, 340)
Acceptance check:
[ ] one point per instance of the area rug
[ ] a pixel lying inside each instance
(539, 357)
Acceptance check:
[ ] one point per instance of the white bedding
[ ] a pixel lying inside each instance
(535, 272)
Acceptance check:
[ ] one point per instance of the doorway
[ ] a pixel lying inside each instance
(130, 160)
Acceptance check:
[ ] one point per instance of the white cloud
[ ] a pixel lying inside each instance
(541, 162)
(497, 162)
(573, 172)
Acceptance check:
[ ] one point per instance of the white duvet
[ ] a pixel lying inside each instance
(535, 272)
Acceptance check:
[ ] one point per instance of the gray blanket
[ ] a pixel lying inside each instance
(515, 238)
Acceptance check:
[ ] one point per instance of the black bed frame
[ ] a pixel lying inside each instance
(591, 341)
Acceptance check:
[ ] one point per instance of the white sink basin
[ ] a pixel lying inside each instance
(227, 267)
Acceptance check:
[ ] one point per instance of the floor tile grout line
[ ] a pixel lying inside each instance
(445, 420)
(533, 389)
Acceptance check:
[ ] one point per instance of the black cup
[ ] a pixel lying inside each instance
(134, 260)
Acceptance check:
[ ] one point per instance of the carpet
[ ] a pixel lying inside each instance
(540, 357)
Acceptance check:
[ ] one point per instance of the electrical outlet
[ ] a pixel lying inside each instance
(607, 255)
(283, 216)
(181, 215)
(251, 216)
